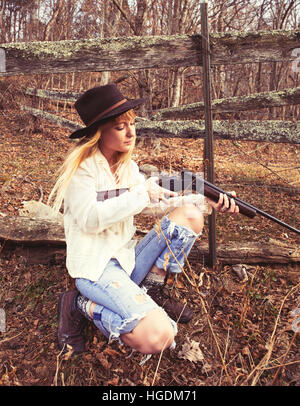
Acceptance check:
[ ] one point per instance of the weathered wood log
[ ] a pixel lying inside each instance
(114, 54)
(246, 130)
(272, 252)
(254, 101)
(43, 241)
(33, 241)
(53, 94)
(52, 118)
(26, 230)
(286, 97)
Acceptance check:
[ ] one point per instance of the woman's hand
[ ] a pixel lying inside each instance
(156, 192)
(225, 204)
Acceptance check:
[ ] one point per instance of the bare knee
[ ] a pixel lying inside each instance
(189, 216)
(153, 334)
(160, 338)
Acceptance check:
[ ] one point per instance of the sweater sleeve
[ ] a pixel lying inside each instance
(93, 216)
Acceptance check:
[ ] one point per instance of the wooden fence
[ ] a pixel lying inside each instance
(114, 54)
(119, 54)
(163, 126)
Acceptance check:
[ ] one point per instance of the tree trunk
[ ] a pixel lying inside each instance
(2, 31)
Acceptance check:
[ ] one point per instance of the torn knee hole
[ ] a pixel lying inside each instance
(115, 285)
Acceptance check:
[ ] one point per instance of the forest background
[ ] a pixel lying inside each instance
(54, 20)
(242, 329)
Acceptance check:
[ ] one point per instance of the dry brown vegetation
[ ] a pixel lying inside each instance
(244, 329)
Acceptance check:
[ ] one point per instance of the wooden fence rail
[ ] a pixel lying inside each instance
(286, 97)
(117, 54)
(256, 101)
(59, 95)
(114, 54)
(247, 130)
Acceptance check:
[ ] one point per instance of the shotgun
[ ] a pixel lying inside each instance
(190, 182)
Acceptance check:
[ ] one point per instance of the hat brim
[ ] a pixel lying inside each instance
(128, 105)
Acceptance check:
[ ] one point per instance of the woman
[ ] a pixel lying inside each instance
(110, 271)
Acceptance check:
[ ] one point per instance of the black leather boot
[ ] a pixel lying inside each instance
(178, 312)
(70, 324)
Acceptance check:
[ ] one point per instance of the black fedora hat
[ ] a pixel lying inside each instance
(99, 104)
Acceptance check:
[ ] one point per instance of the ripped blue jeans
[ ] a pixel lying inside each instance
(121, 299)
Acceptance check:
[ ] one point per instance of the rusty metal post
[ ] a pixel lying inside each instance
(209, 147)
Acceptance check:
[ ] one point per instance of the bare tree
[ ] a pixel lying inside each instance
(28, 20)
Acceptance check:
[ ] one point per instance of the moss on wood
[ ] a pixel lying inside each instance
(247, 130)
(234, 104)
(125, 53)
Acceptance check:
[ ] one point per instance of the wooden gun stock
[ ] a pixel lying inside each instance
(214, 195)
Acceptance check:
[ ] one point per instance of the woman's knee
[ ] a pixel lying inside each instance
(153, 334)
(189, 216)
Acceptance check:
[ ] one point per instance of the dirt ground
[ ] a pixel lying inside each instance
(242, 333)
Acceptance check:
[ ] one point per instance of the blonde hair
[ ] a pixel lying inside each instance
(80, 152)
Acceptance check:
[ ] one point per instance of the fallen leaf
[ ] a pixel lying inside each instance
(103, 360)
(111, 352)
(240, 270)
(69, 353)
(191, 351)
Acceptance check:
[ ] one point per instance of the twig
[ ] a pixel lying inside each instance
(116, 3)
(285, 355)
(207, 316)
(58, 364)
(261, 365)
(161, 353)
(283, 365)
(202, 302)
(225, 353)
(263, 165)
(10, 338)
(246, 301)
(158, 363)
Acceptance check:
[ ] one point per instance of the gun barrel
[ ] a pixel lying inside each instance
(276, 220)
(257, 211)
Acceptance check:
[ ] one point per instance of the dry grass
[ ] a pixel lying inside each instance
(244, 329)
